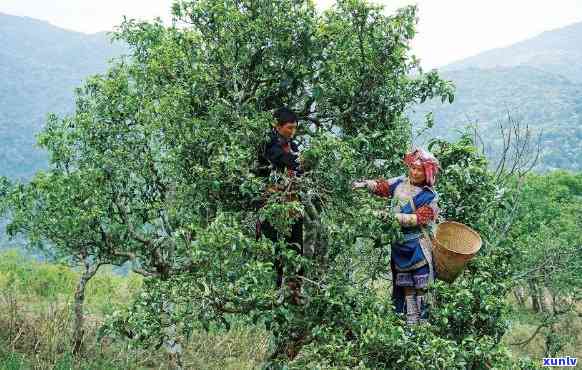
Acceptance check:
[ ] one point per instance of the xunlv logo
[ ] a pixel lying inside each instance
(560, 361)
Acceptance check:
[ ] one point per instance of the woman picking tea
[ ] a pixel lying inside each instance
(416, 209)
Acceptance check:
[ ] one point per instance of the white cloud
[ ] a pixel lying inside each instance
(88, 16)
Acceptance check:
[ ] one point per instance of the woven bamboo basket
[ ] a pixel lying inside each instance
(454, 245)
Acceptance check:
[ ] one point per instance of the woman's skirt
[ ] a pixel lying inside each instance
(411, 265)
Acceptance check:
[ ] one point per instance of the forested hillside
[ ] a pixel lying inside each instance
(549, 103)
(554, 51)
(40, 66)
(538, 81)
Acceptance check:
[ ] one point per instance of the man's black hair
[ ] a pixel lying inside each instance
(285, 115)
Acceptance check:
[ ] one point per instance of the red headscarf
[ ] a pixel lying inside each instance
(420, 157)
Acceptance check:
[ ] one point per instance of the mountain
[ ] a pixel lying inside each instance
(557, 52)
(535, 81)
(40, 66)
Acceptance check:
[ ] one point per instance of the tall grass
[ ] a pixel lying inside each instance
(36, 323)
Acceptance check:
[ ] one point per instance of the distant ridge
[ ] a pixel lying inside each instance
(538, 81)
(40, 66)
(558, 51)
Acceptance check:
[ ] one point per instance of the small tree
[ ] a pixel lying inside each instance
(63, 214)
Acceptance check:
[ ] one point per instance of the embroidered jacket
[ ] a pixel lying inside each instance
(414, 207)
(422, 211)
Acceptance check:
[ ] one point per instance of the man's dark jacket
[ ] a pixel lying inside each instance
(280, 154)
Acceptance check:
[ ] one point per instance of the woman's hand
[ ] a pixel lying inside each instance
(370, 184)
(383, 215)
(358, 185)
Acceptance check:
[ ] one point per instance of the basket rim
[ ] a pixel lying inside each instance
(465, 227)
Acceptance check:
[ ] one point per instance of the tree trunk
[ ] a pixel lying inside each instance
(78, 329)
(519, 293)
(554, 304)
(170, 336)
(289, 348)
(536, 298)
(546, 297)
(314, 243)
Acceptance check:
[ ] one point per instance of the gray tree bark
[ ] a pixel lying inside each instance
(90, 269)
(519, 293)
(537, 297)
(171, 337)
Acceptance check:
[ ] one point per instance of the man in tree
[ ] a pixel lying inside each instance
(279, 160)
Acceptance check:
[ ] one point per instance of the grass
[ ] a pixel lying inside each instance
(36, 317)
(526, 321)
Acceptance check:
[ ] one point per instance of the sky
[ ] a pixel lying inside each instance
(448, 30)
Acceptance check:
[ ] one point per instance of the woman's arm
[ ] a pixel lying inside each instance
(424, 212)
(380, 187)
(423, 216)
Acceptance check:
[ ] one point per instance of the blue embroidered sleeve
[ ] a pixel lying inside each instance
(392, 185)
(385, 188)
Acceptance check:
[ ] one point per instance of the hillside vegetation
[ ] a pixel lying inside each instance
(550, 104)
(40, 67)
(35, 326)
(36, 317)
